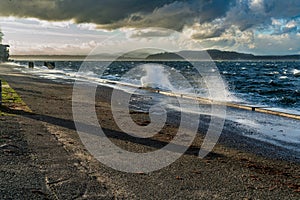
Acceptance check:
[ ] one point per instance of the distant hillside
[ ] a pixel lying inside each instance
(217, 55)
(191, 55)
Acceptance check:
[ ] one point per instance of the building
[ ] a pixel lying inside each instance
(4, 53)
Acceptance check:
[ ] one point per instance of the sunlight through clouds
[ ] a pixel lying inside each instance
(237, 25)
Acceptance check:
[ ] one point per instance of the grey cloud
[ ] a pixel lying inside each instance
(279, 8)
(95, 11)
(287, 30)
(218, 44)
(277, 44)
(110, 14)
(216, 30)
(245, 17)
(201, 36)
(150, 33)
(250, 15)
(288, 27)
(171, 14)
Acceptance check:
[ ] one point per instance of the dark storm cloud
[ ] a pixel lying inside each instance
(112, 14)
(253, 13)
(172, 14)
(279, 8)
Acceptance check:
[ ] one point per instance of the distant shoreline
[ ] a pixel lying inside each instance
(83, 58)
(208, 55)
(46, 58)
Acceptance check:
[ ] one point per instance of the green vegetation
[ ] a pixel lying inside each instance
(11, 100)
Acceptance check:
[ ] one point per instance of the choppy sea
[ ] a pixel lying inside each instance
(274, 85)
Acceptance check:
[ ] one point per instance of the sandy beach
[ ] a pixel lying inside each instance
(42, 156)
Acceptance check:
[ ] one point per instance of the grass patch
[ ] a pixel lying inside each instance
(11, 100)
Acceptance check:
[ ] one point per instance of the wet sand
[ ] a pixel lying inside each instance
(44, 158)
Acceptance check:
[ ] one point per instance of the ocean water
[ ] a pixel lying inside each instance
(271, 84)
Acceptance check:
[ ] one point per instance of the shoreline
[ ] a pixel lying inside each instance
(235, 168)
(280, 110)
(232, 126)
(87, 58)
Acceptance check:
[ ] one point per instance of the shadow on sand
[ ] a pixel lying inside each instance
(113, 134)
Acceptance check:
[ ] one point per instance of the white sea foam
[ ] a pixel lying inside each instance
(159, 76)
(156, 77)
(296, 72)
(283, 77)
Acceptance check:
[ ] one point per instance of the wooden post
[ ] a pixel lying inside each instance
(31, 64)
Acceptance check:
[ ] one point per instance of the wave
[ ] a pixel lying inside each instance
(252, 84)
(296, 73)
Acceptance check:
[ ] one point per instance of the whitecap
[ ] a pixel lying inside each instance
(283, 77)
(296, 72)
(225, 72)
(274, 72)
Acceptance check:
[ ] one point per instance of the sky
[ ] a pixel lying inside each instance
(76, 27)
